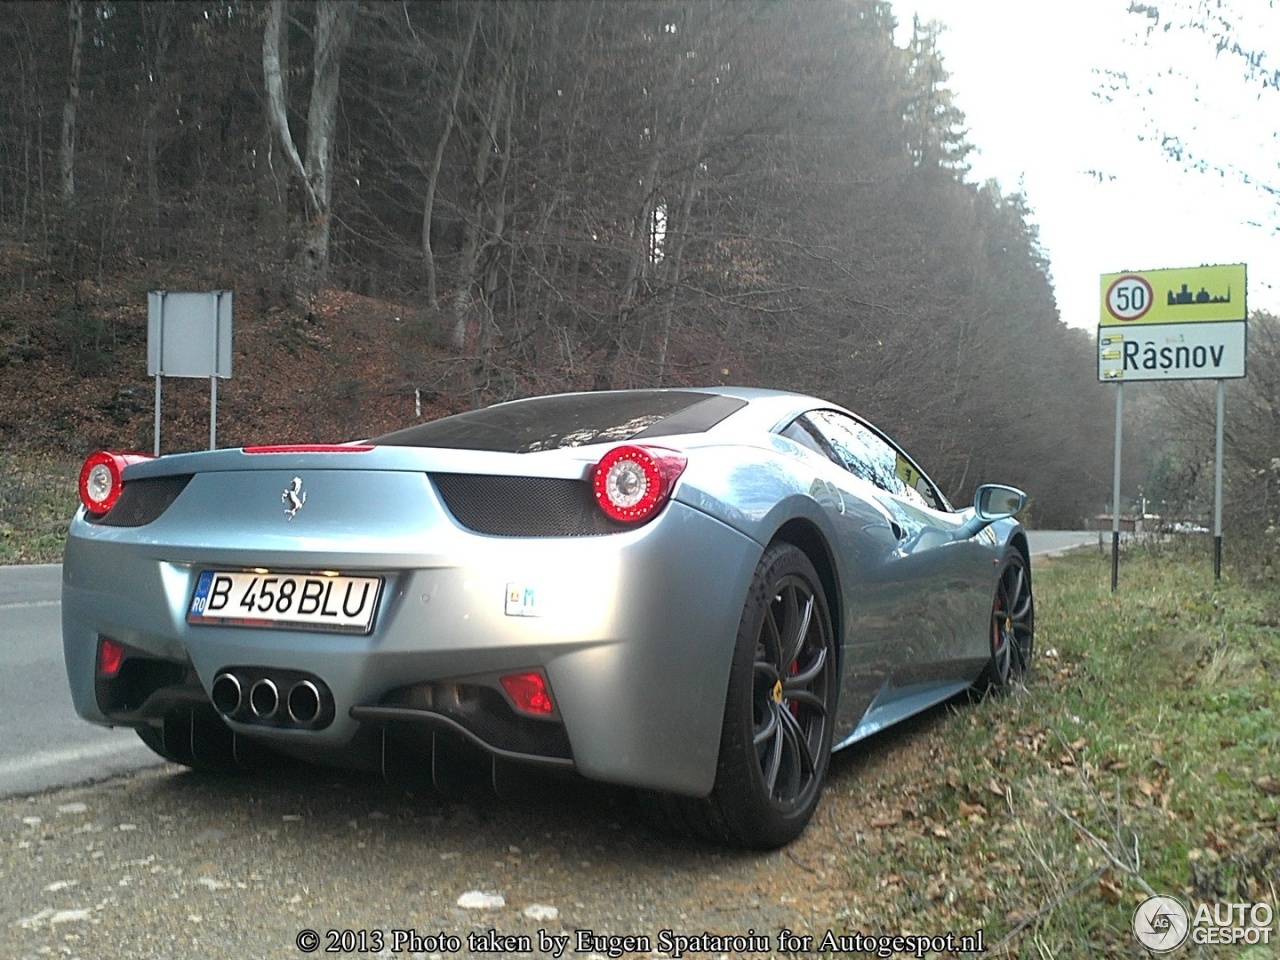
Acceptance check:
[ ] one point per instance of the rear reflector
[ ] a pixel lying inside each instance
(528, 692)
(110, 656)
(311, 448)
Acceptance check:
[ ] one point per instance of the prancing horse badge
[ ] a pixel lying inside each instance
(293, 497)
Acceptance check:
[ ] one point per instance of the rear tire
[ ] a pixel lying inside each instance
(779, 716)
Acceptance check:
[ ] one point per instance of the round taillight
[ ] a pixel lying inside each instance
(101, 479)
(632, 483)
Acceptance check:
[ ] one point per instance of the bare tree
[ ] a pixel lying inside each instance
(67, 154)
(332, 30)
(157, 36)
(1231, 35)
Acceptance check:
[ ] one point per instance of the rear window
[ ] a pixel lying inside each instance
(570, 420)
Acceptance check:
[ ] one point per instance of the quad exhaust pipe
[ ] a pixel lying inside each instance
(264, 699)
(303, 703)
(227, 694)
(275, 698)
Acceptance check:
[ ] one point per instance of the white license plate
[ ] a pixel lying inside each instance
(301, 601)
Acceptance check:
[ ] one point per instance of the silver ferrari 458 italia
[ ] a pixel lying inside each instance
(700, 593)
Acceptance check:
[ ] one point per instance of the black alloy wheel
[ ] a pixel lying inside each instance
(775, 745)
(1013, 624)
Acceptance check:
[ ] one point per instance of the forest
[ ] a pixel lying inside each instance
(424, 207)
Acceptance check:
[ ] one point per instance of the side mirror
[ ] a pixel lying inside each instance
(991, 502)
(994, 501)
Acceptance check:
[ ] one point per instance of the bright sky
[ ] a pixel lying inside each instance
(1027, 76)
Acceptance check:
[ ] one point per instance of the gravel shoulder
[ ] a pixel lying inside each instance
(167, 863)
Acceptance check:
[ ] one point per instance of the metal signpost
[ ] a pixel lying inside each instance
(189, 335)
(1180, 324)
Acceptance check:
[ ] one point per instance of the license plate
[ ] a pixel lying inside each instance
(334, 603)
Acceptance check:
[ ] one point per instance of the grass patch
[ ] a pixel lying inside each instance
(1139, 758)
(38, 496)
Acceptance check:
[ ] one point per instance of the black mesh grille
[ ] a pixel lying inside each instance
(142, 501)
(523, 506)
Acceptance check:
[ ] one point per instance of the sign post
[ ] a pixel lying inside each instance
(189, 335)
(1115, 491)
(1217, 484)
(1180, 324)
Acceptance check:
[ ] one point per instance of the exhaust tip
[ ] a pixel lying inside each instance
(303, 702)
(264, 699)
(226, 693)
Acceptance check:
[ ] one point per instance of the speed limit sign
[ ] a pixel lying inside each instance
(1130, 297)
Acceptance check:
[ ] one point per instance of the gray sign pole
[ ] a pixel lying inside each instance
(1115, 491)
(213, 377)
(1217, 482)
(159, 329)
(156, 431)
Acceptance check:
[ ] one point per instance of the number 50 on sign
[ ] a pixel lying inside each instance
(1129, 297)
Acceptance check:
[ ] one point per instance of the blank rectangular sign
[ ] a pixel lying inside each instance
(189, 334)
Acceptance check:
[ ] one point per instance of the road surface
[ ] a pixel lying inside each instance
(42, 742)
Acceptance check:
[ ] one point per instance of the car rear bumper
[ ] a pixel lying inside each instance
(633, 631)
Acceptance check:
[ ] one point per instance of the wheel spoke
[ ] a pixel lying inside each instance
(799, 741)
(808, 699)
(1021, 611)
(771, 766)
(800, 629)
(1017, 660)
(802, 680)
(1017, 590)
(768, 728)
(773, 643)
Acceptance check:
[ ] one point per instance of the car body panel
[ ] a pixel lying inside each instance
(634, 629)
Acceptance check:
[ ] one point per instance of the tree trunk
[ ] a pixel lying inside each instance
(638, 264)
(333, 22)
(433, 176)
(156, 61)
(485, 222)
(67, 154)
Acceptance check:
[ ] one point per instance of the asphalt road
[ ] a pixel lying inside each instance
(43, 744)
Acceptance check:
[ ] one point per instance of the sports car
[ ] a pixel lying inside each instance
(700, 593)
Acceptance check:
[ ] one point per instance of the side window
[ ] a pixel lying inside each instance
(866, 454)
(806, 434)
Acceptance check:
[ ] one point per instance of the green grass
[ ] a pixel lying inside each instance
(37, 498)
(1139, 758)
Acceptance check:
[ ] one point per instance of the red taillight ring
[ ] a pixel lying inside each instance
(631, 483)
(102, 479)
